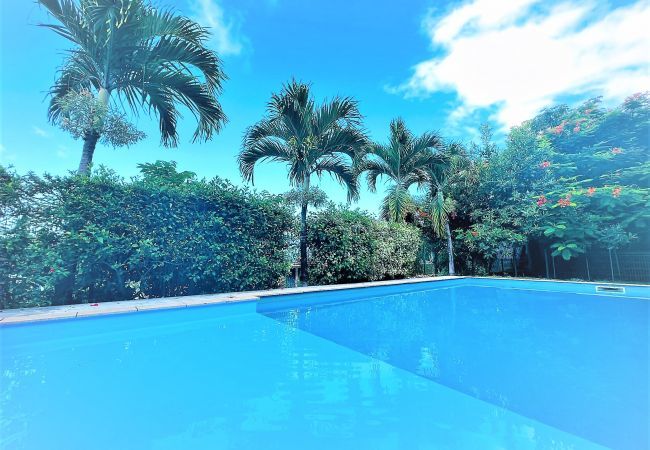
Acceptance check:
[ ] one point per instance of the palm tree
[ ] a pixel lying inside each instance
(443, 173)
(404, 162)
(149, 58)
(310, 139)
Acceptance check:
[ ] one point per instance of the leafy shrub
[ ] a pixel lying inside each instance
(79, 239)
(350, 246)
(397, 249)
(341, 245)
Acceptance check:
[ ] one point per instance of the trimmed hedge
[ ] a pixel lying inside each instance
(78, 239)
(349, 246)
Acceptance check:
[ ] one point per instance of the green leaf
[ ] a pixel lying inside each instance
(566, 254)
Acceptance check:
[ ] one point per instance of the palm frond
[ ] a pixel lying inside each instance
(336, 112)
(405, 161)
(75, 75)
(158, 23)
(178, 87)
(440, 208)
(348, 140)
(152, 58)
(73, 25)
(375, 169)
(428, 142)
(266, 129)
(261, 150)
(340, 170)
(397, 203)
(313, 139)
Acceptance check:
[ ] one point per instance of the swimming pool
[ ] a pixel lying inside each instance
(459, 364)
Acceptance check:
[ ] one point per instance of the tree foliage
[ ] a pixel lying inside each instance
(311, 140)
(78, 239)
(351, 246)
(570, 179)
(403, 162)
(147, 56)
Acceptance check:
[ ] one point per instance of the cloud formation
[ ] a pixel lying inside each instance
(225, 36)
(38, 131)
(518, 56)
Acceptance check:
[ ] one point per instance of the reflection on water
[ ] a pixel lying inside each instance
(572, 361)
(203, 379)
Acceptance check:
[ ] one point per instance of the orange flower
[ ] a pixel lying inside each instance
(591, 191)
(616, 192)
(545, 164)
(617, 150)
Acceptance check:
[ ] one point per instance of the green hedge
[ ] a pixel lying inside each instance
(350, 246)
(80, 239)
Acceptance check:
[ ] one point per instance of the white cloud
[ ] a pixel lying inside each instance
(518, 56)
(40, 132)
(225, 37)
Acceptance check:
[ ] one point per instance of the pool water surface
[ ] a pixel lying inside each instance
(466, 364)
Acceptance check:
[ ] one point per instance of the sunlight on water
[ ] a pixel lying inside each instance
(425, 370)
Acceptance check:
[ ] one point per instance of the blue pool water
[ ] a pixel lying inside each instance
(465, 364)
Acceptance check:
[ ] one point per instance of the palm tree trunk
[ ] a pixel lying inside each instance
(91, 138)
(90, 142)
(304, 264)
(450, 250)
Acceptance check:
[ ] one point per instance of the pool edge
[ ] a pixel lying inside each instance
(47, 313)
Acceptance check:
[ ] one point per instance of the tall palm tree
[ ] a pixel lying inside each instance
(403, 162)
(443, 174)
(310, 140)
(148, 58)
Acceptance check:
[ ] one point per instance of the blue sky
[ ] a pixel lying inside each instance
(441, 66)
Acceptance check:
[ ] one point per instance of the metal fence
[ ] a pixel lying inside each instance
(595, 265)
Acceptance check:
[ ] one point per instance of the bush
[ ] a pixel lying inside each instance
(397, 250)
(79, 239)
(350, 246)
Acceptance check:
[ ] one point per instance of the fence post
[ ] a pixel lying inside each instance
(611, 266)
(587, 261)
(618, 265)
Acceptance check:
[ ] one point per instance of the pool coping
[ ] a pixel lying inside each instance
(44, 313)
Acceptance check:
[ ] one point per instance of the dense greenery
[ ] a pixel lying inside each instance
(150, 59)
(311, 140)
(568, 180)
(350, 245)
(100, 238)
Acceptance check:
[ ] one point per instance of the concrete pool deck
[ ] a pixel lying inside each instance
(36, 314)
